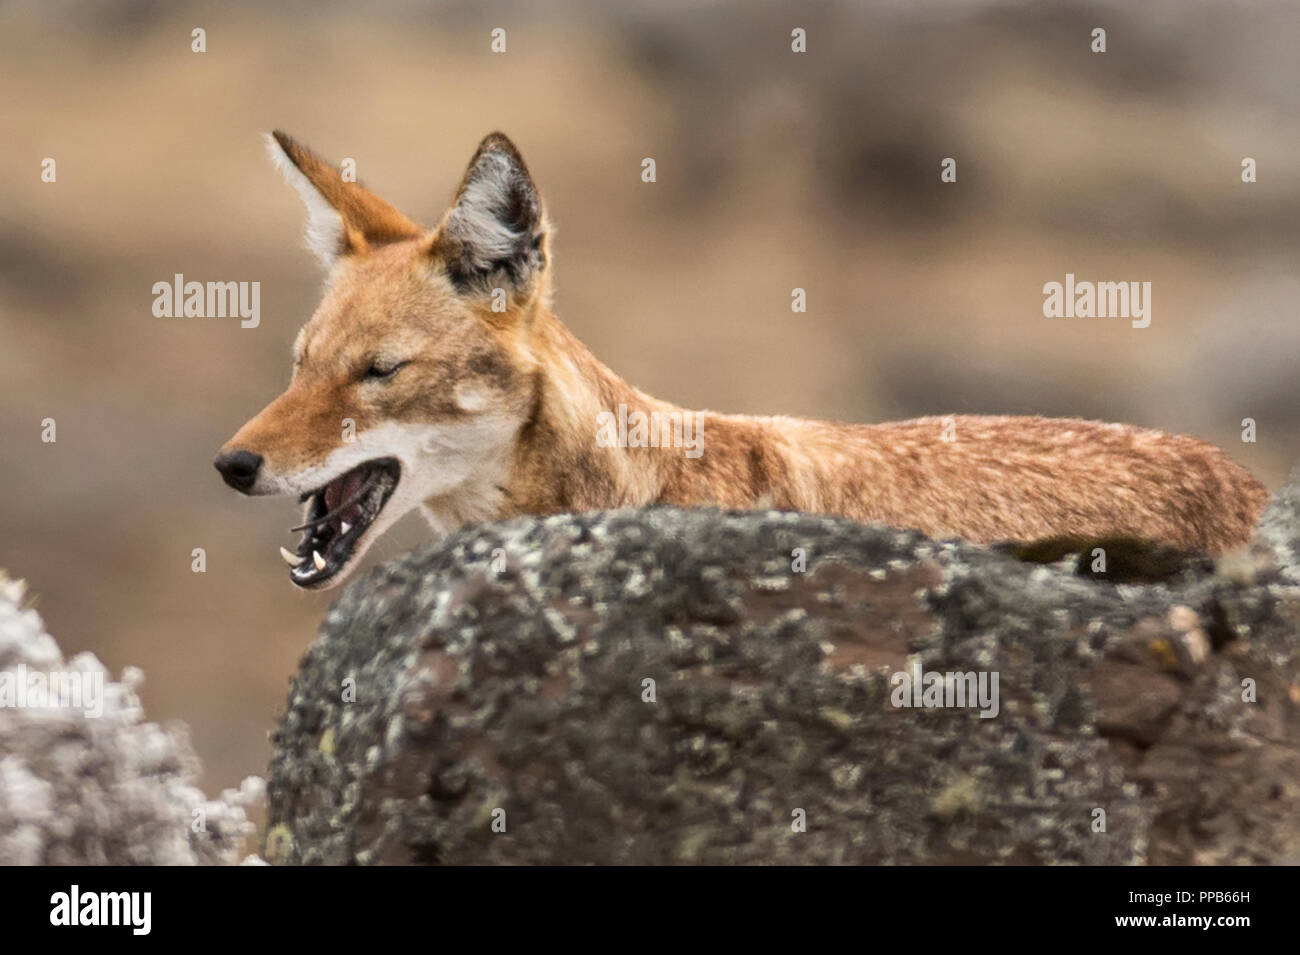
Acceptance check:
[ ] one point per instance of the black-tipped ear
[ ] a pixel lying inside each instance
(495, 226)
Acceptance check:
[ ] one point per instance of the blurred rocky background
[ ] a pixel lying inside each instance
(84, 778)
(775, 170)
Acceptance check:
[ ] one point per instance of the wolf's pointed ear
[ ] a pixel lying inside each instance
(495, 224)
(342, 217)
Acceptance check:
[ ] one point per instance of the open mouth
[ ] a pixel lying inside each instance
(338, 516)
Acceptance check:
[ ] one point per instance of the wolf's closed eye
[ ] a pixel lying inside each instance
(381, 370)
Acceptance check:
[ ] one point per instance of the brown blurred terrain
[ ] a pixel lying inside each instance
(775, 170)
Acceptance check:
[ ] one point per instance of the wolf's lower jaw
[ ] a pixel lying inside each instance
(340, 518)
(336, 536)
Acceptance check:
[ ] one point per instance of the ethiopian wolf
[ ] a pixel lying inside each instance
(435, 375)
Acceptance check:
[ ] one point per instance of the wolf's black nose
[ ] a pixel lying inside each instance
(238, 468)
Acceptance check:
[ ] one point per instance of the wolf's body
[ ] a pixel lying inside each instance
(471, 413)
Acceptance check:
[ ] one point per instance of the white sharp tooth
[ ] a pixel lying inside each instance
(344, 527)
(293, 560)
(318, 560)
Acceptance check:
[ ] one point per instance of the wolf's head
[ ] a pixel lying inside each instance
(413, 378)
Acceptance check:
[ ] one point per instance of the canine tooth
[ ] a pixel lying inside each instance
(344, 527)
(293, 560)
(318, 560)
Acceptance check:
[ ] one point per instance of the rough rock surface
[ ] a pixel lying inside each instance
(497, 680)
(97, 785)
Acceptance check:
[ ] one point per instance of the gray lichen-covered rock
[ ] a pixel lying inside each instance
(88, 781)
(1279, 528)
(665, 686)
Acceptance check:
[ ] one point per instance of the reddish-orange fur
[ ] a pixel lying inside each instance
(999, 478)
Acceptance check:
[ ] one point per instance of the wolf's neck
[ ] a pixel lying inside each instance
(561, 465)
